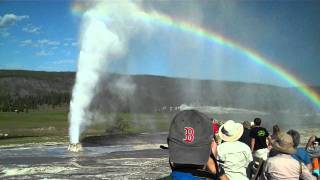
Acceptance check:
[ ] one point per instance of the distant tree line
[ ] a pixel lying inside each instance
(16, 103)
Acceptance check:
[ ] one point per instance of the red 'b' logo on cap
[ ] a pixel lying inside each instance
(189, 134)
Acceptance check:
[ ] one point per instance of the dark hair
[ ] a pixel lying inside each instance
(275, 129)
(257, 121)
(295, 137)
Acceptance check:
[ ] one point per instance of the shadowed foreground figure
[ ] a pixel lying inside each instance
(192, 147)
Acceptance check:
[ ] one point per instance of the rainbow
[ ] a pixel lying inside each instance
(155, 17)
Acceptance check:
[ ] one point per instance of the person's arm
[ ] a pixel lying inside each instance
(213, 169)
(211, 166)
(309, 166)
(305, 174)
(269, 142)
(253, 142)
(214, 148)
(224, 177)
(310, 141)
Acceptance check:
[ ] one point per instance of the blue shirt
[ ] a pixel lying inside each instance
(302, 156)
(177, 175)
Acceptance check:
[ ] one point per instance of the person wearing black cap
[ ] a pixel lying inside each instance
(192, 147)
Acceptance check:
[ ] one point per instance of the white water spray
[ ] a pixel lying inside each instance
(98, 43)
(103, 40)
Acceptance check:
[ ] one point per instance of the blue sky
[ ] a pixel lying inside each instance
(44, 35)
(40, 35)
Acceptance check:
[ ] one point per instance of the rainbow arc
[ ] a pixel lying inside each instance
(251, 55)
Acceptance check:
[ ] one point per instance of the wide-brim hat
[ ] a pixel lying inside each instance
(230, 131)
(190, 137)
(284, 144)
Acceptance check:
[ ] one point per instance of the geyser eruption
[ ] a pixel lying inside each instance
(75, 147)
(98, 44)
(105, 32)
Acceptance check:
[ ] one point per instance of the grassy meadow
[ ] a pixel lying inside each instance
(47, 126)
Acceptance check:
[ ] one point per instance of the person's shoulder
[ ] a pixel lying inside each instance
(302, 152)
(261, 128)
(243, 146)
(254, 129)
(223, 145)
(273, 159)
(264, 129)
(227, 147)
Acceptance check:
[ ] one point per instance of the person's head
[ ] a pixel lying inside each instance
(190, 137)
(246, 124)
(284, 144)
(275, 129)
(257, 121)
(230, 131)
(295, 137)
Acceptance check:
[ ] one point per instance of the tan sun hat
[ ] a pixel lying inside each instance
(284, 144)
(230, 131)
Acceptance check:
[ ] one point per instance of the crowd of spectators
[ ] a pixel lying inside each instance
(204, 148)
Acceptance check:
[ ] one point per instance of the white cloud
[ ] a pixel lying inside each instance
(39, 43)
(68, 39)
(26, 42)
(31, 29)
(4, 33)
(74, 44)
(48, 42)
(70, 44)
(64, 61)
(9, 19)
(42, 53)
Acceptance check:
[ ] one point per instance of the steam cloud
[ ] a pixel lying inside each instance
(106, 30)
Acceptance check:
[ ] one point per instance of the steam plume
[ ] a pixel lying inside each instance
(103, 40)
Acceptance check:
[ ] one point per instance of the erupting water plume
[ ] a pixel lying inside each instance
(105, 32)
(97, 44)
(75, 147)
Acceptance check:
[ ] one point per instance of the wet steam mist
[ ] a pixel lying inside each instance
(110, 27)
(105, 32)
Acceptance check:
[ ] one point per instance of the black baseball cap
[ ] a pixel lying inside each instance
(190, 137)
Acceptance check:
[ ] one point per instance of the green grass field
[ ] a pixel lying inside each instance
(52, 126)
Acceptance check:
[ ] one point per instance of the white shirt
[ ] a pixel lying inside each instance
(236, 156)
